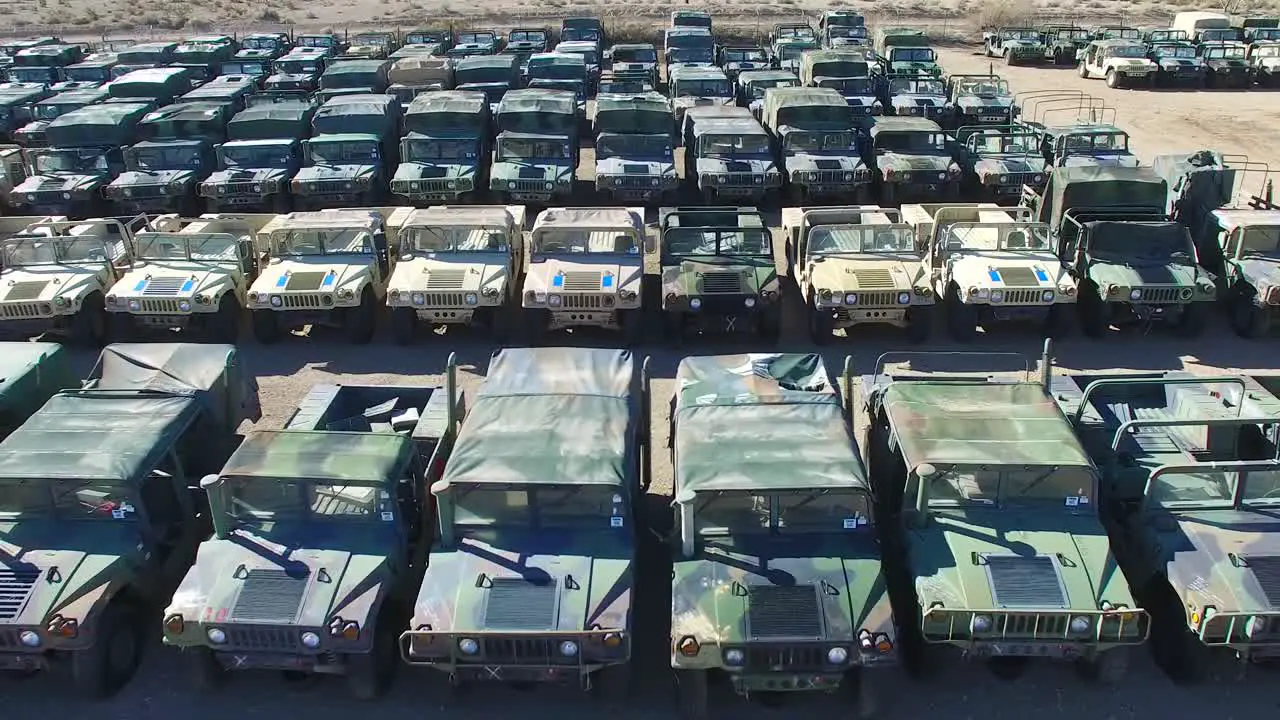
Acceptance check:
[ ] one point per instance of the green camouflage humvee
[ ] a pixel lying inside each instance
(533, 576)
(777, 581)
(989, 506)
(1242, 248)
(30, 373)
(1190, 488)
(321, 531)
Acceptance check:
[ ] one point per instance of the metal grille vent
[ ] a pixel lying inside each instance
(25, 290)
(874, 278)
(161, 286)
(581, 281)
(1025, 582)
(516, 604)
(446, 279)
(775, 611)
(1266, 570)
(269, 596)
(15, 588)
(1017, 276)
(305, 281)
(721, 282)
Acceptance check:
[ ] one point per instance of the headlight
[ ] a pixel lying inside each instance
(904, 298)
(1080, 625)
(413, 187)
(851, 299)
(1255, 626)
(549, 186)
(184, 306)
(837, 655)
(848, 177)
(553, 300)
(451, 184)
(695, 303)
(470, 299)
(654, 182)
(749, 302)
(1135, 295)
(216, 636)
(733, 657)
(757, 179)
(1038, 178)
(1186, 293)
(310, 640)
(568, 648)
(30, 638)
(468, 646)
(1047, 296)
(997, 296)
(66, 196)
(980, 623)
(1004, 179)
(276, 301)
(942, 176)
(128, 192)
(257, 187)
(511, 185)
(134, 305)
(418, 298)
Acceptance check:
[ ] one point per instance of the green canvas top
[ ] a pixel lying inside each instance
(948, 423)
(538, 100)
(1096, 186)
(904, 124)
(761, 421)
(550, 415)
(29, 374)
(352, 458)
(449, 101)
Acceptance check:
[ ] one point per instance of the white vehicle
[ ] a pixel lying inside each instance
(1120, 62)
(991, 264)
(1264, 60)
(458, 265)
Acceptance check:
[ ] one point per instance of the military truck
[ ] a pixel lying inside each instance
(274, 44)
(910, 157)
(94, 69)
(1064, 43)
(1120, 62)
(342, 491)
(718, 272)
(327, 268)
(430, 41)
(352, 151)
(527, 41)
(459, 266)
(589, 51)
(1226, 65)
(253, 64)
(559, 71)
(409, 77)
(369, 46)
(163, 173)
(1014, 45)
(353, 77)
(445, 149)
(1132, 264)
(536, 157)
(734, 59)
(470, 43)
(107, 508)
(328, 43)
(697, 86)
(55, 274)
(994, 265)
(687, 46)
(143, 56)
(842, 29)
(808, 610)
(188, 276)
(785, 52)
(86, 155)
(43, 64)
(978, 100)
(576, 421)
(728, 155)
(299, 70)
(584, 28)
(634, 144)
(15, 107)
(630, 61)
(1241, 248)
(230, 90)
(915, 96)
(584, 268)
(752, 84)
(846, 72)
(905, 51)
(262, 154)
(998, 160)
(30, 374)
(1083, 143)
(32, 135)
(1264, 61)
(815, 136)
(989, 475)
(1177, 64)
(491, 75)
(858, 265)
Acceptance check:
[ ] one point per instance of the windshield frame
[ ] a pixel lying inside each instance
(722, 235)
(409, 236)
(1081, 477)
(913, 252)
(1233, 473)
(535, 509)
(283, 242)
(303, 507)
(862, 519)
(145, 241)
(61, 246)
(373, 158)
(120, 499)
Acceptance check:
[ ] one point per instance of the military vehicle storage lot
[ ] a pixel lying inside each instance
(1159, 122)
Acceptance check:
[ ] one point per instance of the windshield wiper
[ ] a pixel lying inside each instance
(1035, 482)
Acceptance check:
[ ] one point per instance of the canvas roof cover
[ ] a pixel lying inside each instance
(550, 415)
(146, 82)
(29, 374)
(474, 62)
(112, 124)
(354, 114)
(761, 421)
(1093, 186)
(270, 121)
(333, 457)
(1139, 237)
(1200, 179)
(561, 102)
(585, 218)
(951, 423)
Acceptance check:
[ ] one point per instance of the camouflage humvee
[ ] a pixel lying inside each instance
(320, 533)
(445, 150)
(988, 510)
(777, 578)
(55, 274)
(1189, 494)
(692, 86)
(458, 265)
(1245, 260)
(984, 100)
(547, 468)
(326, 268)
(635, 144)
(30, 374)
(912, 157)
(858, 265)
(717, 269)
(98, 512)
(1084, 143)
(728, 154)
(915, 95)
(992, 265)
(536, 157)
(262, 154)
(1015, 45)
(187, 275)
(818, 140)
(998, 161)
(584, 268)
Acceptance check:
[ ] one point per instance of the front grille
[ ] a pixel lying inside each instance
(19, 311)
(432, 186)
(879, 298)
(269, 596)
(1026, 625)
(581, 281)
(831, 177)
(529, 186)
(328, 187)
(586, 302)
(304, 281)
(163, 286)
(15, 588)
(263, 638)
(141, 192)
(152, 306)
(1159, 295)
(516, 604)
(10, 639)
(784, 658)
(1018, 179)
(739, 179)
(1266, 570)
(523, 651)
(874, 278)
(721, 282)
(1023, 296)
(782, 611)
(239, 188)
(631, 181)
(443, 299)
(446, 279)
(302, 302)
(29, 290)
(1024, 582)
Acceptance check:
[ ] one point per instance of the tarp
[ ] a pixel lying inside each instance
(325, 457)
(538, 101)
(551, 415)
(272, 121)
(114, 124)
(761, 421)
(165, 82)
(353, 74)
(362, 113)
(30, 373)
(448, 110)
(1199, 183)
(1100, 187)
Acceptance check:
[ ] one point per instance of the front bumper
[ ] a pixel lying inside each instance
(636, 187)
(523, 657)
(1036, 634)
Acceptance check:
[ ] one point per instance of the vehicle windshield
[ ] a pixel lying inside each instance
(552, 70)
(591, 56)
(733, 145)
(317, 41)
(454, 239)
(298, 67)
(1176, 51)
(49, 111)
(1126, 51)
(1076, 34)
(799, 31)
(857, 86)
(173, 246)
(1071, 488)
(1264, 51)
(650, 121)
(586, 240)
(255, 156)
(911, 142)
(1169, 244)
(690, 54)
(29, 250)
(717, 241)
(244, 68)
(690, 41)
(518, 148)
(1121, 33)
(1021, 34)
(820, 142)
(370, 39)
(1009, 237)
(744, 55)
(87, 74)
(1221, 34)
(467, 38)
(343, 152)
(431, 149)
(163, 158)
(793, 51)
(759, 86)
(143, 57)
(538, 123)
(545, 506)
(635, 55)
(1210, 487)
(30, 74)
(428, 38)
(913, 86)
(254, 501)
(997, 143)
(708, 87)
(840, 69)
(984, 88)
(858, 239)
(535, 36)
(622, 144)
(1224, 53)
(260, 43)
(322, 241)
(732, 512)
(1260, 240)
(847, 31)
(66, 499)
(918, 55)
(1266, 34)
(1097, 142)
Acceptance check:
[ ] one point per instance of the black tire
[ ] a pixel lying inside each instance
(404, 325)
(281, 203)
(632, 324)
(860, 693)
(369, 675)
(691, 694)
(920, 322)
(362, 320)
(769, 325)
(888, 193)
(612, 683)
(121, 328)
(206, 674)
(1177, 650)
(820, 324)
(1248, 319)
(266, 327)
(89, 325)
(1060, 322)
(1092, 311)
(1008, 59)
(224, 325)
(101, 669)
(962, 319)
(1113, 79)
(498, 324)
(1084, 72)
(1192, 320)
(1110, 667)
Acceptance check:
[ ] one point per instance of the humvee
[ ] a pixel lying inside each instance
(298, 70)
(326, 268)
(815, 134)
(785, 53)
(99, 513)
(911, 156)
(320, 535)
(858, 265)
(998, 160)
(847, 72)
(445, 150)
(980, 100)
(1015, 45)
(262, 154)
(1225, 65)
(584, 268)
(44, 112)
(1064, 43)
(55, 274)
(633, 61)
(1241, 247)
(634, 146)
(1083, 143)
(355, 143)
(550, 467)
(474, 42)
(692, 86)
(988, 507)
(777, 578)
(914, 95)
(1177, 64)
(991, 264)
(459, 265)
(536, 156)
(734, 59)
(1188, 494)
(1121, 62)
(717, 269)
(904, 51)
(727, 154)
(751, 86)
(187, 275)
(30, 374)
(687, 46)
(1264, 61)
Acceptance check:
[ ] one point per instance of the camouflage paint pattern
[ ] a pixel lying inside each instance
(759, 279)
(1117, 277)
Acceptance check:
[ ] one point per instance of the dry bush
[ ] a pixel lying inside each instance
(995, 13)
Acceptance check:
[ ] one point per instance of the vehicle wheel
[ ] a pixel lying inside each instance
(498, 323)
(920, 322)
(266, 327)
(536, 323)
(280, 203)
(769, 325)
(89, 326)
(1151, 79)
(404, 325)
(612, 683)
(691, 694)
(1113, 80)
(362, 320)
(224, 325)
(103, 668)
(1060, 321)
(369, 674)
(1092, 311)
(1084, 72)
(1008, 59)
(1248, 319)
(820, 324)
(121, 328)
(962, 319)
(1192, 321)
(206, 673)
(1110, 667)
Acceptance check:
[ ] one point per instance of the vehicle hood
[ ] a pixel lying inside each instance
(34, 128)
(153, 177)
(468, 272)
(1233, 63)
(996, 270)
(1129, 63)
(811, 162)
(1261, 272)
(549, 169)
(621, 275)
(912, 101)
(920, 68)
(240, 175)
(1270, 62)
(867, 272)
(737, 66)
(59, 182)
(1128, 276)
(493, 586)
(316, 173)
(1115, 159)
(1171, 62)
(291, 79)
(633, 166)
(684, 102)
(1200, 564)
(435, 171)
(327, 273)
(908, 163)
(685, 278)
(1009, 165)
(196, 277)
(1021, 43)
(63, 568)
(975, 105)
(44, 283)
(720, 165)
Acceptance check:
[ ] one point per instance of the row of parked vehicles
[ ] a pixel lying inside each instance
(1068, 518)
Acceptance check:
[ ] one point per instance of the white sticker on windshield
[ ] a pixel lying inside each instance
(850, 523)
(126, 507)
(1072, 501)
(615, 521)
(388, 517)
(384, 495)
(617, 499)
(1084, 499)
(117, 514)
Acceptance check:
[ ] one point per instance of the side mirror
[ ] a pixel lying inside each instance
(684, 502)
(214, 490)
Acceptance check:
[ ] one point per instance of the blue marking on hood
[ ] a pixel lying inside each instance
(328, 279)
(141, 284)
(186, 286)
(282, 281)
(1041, 275)
(606, 281)
(558, 281)
(994, 275)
